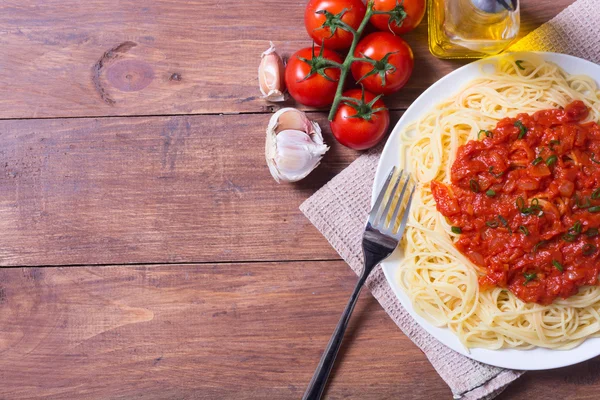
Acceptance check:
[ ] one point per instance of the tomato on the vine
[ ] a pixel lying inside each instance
(324, 20)
(310, 79)
(406, 15)
(361, 121)
(390, 66)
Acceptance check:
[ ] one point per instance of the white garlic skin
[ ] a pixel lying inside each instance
(271, 73)
(294, 146)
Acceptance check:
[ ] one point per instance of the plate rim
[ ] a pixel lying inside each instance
(533, 359)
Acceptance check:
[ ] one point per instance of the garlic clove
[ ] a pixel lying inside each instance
(297, 155)
(291, 118)
(271, 75)
(294, 145)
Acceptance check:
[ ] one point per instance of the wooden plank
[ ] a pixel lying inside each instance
(243, 331)
(578, 382)
(224, 331)
(152, 190)
(65, 58)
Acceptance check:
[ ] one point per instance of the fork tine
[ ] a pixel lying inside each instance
(399, 204)
(402, 227)
(390, 200)
(380, 197)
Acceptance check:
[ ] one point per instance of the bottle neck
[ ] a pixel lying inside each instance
(495, 6)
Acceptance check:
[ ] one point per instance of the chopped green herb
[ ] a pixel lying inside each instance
(522, 129)
(504, 223)
(518, 62)
(533, 209)
(456, 229)
(474, 186)
(523, 229)
(558, 265)
(491, 171)
(596, 194)
(492, 224)
(538, 245)
(490, 193)
(529, 277)
(551, 160)
(573, 232)
(503, 220)
(589, 249)
(537, 161)
(487, 133)
(594, 209)
(593, 159)
(586, 203)
(553, 142)
(576, 228)
(592, 232)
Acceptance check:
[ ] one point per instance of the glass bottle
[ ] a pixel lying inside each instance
(471, 28)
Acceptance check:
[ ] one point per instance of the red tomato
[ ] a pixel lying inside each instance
(322, 17)
(316, 90)
(409, 14)
(357, 132)
(394, 62)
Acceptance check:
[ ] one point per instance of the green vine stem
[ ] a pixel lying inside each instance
(350, 59)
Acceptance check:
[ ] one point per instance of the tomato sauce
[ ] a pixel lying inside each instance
(525, 201)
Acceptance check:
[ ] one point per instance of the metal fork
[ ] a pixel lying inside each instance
(379, 241)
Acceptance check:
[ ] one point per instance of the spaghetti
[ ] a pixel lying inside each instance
(442, 282)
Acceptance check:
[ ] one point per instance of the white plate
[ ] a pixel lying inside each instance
(536, 359)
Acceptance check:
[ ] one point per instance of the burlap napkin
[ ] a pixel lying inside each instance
(339, 210)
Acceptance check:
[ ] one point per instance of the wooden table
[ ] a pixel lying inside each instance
(147, 252)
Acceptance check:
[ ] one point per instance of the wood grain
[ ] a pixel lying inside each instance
(222, 331)
(67, 58)
(216, 331)
(181, 189)
(152, 190)
(578, 382)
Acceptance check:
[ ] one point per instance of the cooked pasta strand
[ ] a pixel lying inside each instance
(442, 283)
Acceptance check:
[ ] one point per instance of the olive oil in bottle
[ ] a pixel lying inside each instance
(471, 28)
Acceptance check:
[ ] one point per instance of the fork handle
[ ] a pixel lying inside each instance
(319, 380)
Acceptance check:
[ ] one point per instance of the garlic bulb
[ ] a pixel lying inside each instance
(271, 75)
(294, 145)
